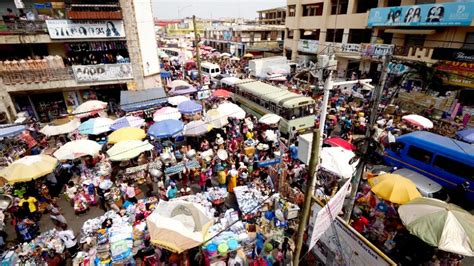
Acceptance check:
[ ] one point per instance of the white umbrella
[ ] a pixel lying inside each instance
(269, 119)
(216, 119)
(126, 150)
(178, 83)
(176, 100)
(196, 128)
(235, 58)
(89, 108)
(166, 113)
(418, 120)
(270, 135)
(226, 55)
(96, 126)
(77, 148)
(61, 129)
(231, 110)
(336, 160)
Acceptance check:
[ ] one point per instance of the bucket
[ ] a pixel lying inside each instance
(222, 248)
(232, 244)
(211, 249)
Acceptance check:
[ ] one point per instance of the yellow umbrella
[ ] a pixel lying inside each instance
(29, 168)
(126, 150)
(248, 55)
(127, 133)
(394, 188)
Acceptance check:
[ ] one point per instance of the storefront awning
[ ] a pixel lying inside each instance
(349, 56)
(411, 32)
(143, 99)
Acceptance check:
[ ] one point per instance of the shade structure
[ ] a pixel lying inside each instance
(166, 113)
(89, 108)
(226, 55)
(418, 120)
(337, 160)
(166, 128)
(466, 135)
(11, 130)
(126, 133)
(196, 128)
(126, 150)
(248, 55)
(394, 188)
(60, 121)
(189, 107)
(61, 129)
(175, 100)
(96, 126)
(443, 225)
(339, 142)
(214, 118)
(29, 168)
(220, 93)
(127, 121)
(178, 225)
(76, 149)
(269, 119)
(177, 83)
(231, 110)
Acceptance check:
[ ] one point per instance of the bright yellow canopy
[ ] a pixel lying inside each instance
(127, 133)
(29, 168)
(394, 188)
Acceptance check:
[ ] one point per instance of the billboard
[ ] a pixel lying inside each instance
(102, 72)
(447, 14)
(85, 29)
(461, 55)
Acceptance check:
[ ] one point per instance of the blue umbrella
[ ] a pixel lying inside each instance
(189, 107)
(11, 130)
(166, 128)
(127, 121)
(466, 135)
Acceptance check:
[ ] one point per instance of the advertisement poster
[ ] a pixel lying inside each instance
(370, 49)
(458, 73)
(462, 55)
(350, 48)
(71, 99)
(103, 72)
(84, 29)
(447, 14)
(308, 46)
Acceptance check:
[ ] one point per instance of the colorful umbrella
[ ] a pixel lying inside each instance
(220, 93)
(394, 188)
(29, 168)
(231, 110)
(466, 135)
(89, 108)
(127, 121)
(189, 107)
(127, 150)
(61, 121)
(418, 120)
(77, 148)
(215, 118)
(96, 126)
(61, 129)
(166, 113)
(196, 128)
(176, 100)
(248, 55)
(339, 142)
(440, 224)
(126, 133)
(269, 119)
(11, 130)
(166, 128)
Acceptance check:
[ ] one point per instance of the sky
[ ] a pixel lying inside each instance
(170, 9)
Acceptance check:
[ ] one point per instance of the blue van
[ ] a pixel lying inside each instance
(447, 161)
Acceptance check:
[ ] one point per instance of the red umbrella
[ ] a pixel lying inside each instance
(221, 93)
(339, 142)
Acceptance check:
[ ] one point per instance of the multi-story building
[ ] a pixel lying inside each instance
(55, 55)
(263, 40)
(183, 28)
(273, 16)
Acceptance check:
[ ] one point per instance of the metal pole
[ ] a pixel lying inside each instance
(373, 117)
(313, 165)
(198, 56)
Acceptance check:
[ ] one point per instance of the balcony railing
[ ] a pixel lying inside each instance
(112, 15)
(417, 52)
(23, 27)
(14, 77)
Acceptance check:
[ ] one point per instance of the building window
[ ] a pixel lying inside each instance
(309, 35)
(420, 2)
(469, 41)
(313, 10)
(420, 154)
(291, 11)
(386, 37)
(359, 36)
(289, 34)
(394, 3)
(415, 40)
(363, 6)
(339, 7)
(334, 35)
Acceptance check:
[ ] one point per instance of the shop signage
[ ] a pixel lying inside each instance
(180, 167)
(458, 73)
(351, 48)
(84, 29)
(269, 162)
(397, 69)
(372, 49)
(328, 214)
(152, 165)
(462, 55)
(203, 93)
(102, 72)
(308, 46)
(447, 14)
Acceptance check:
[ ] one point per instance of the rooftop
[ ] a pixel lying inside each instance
(282, 8)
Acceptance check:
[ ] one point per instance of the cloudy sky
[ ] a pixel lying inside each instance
(168, 9)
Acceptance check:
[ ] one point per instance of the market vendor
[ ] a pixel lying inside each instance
(171, 191)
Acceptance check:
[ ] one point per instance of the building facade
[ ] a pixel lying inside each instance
(56, 55)
(274, 16)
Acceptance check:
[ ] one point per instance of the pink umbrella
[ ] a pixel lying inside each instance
(418, 120)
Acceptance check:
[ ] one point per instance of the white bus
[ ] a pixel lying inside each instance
(260, 98)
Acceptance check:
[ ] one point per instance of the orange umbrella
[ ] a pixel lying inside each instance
(221, 93)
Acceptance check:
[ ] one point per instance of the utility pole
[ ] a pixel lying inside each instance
(198, 56)
(373, 117)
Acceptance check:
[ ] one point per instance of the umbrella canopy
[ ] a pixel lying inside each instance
(178, 83)
(339, 142)
(178, 225)
(61, 129)
(440, 224)
(126, 150)
(248, 55)
(166, 128)
(29, 168)
(96, 126)
(394, 188)
(234, 58)
(336, 160)
(166, 113)
(89, 108)
(196, 128)
(60, 121)
(215, 118)
(77, 148)
(226, 55)
(175, 100)
(466, 135)
(189, 107)
(418, 120)
(269, 119)
(127, 121)
(221, 93)
(231, 110)
(126, 133)
(10, 130)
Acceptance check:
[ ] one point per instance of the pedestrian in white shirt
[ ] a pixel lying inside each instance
(69, 240)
